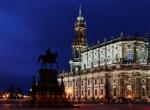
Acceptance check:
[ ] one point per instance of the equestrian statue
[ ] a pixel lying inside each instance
(48, 58)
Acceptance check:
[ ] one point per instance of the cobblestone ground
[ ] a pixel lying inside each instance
(89, 107)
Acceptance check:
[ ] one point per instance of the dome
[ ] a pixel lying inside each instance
(80, 18)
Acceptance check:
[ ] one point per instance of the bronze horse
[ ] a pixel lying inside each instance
(48, 58)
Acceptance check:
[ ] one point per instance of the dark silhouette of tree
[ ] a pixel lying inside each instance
(14, 92)
(19, 92)
(11, 91)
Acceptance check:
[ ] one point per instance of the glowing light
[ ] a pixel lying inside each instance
(30, 90)
(101, 96)
(129, 96)
(69, 90)
(19, 95)
(7, 95)
(4, 96)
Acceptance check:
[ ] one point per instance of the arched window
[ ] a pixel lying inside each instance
(95, 92)
(84, 66)
(117, 58)
(115, 91)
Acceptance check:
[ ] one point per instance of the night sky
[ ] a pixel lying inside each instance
(29, 27)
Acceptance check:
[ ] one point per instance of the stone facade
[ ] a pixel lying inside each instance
(119, 67)
(125, 81)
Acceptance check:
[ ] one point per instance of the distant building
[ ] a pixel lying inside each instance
(122, 63)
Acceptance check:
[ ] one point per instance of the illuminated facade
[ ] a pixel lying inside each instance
(120, 64)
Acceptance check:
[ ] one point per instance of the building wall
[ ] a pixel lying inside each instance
(102, 63)
(114, 52)
(91, 86)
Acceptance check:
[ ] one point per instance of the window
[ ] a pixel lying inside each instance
(117, 58)
(84, 66)
(143, 91)
(142, 47)
(76, 83)
(101, 80)
(82, 92)
(82, 83)
(95, 81)
(101, 91)
(98, 63)
(115, 91)
(128, 45)
(95, 92)
(92, 64)
(88, 92)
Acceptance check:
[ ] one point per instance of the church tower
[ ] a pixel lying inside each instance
(79, 42)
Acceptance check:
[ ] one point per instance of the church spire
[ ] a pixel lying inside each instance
(80, 17)
(80, 30)
(80, 40)
(80, 10)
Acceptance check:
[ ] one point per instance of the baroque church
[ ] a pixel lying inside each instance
(115, 68)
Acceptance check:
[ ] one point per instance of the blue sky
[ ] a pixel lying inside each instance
(29, 27)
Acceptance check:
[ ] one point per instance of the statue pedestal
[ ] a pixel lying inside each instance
(49, 93)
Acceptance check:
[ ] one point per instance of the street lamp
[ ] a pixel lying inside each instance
(69, 92)
(6, 96)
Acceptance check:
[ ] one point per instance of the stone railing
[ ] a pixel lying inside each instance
(116, 67)
(110, 68)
